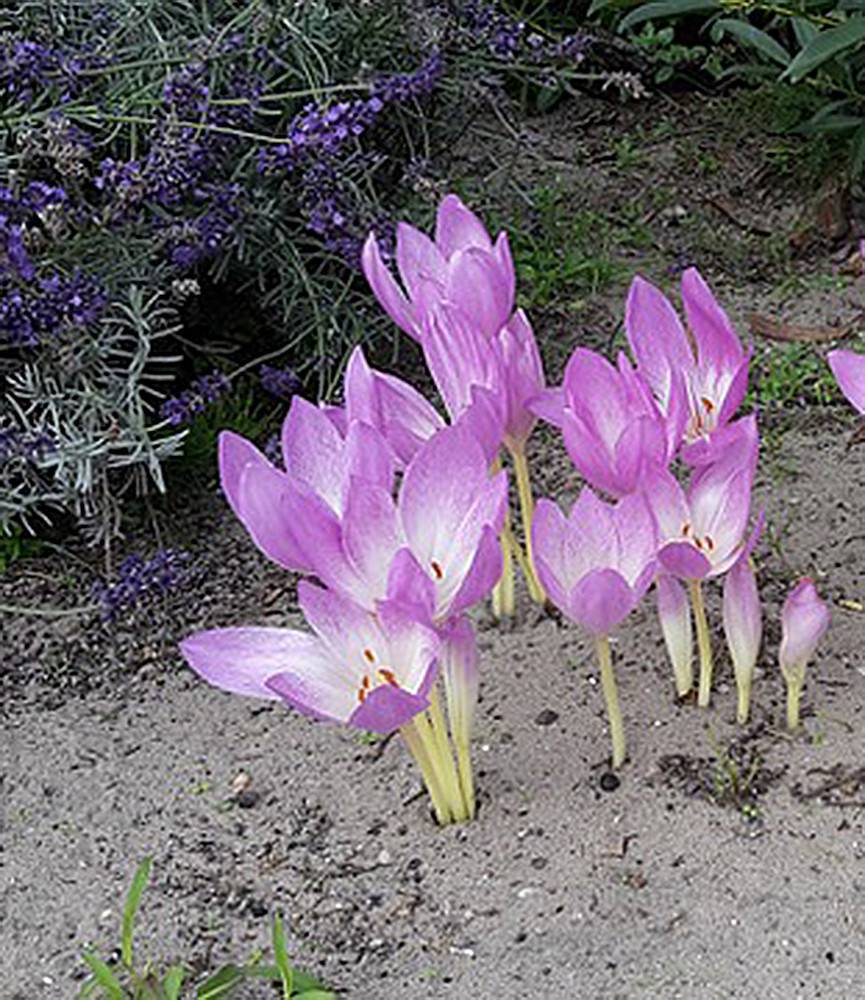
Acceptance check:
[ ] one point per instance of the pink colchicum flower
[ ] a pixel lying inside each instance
(294, 515)
(743, 628)
(519, 377)
(613, 429)
(702, 531)
(505, 369)
(805, 619)
(461, 266)
(849, 371)
(674, 614)
(397, 571)
(404, 417)
(372, 671)
(711, 360)
(596, 565)
(343, 526)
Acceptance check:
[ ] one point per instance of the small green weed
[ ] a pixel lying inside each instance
(16, 545)
(563, 254)
(628, 153)
(738, 778)
(241, 411)
(123, 980)
(669, 58)
(791, 376)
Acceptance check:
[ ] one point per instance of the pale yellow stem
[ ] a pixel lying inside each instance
(611, 696)
(794, 693)
(503, 592)
(704, 642)
(466, 775)
(444, 760)
(527, 510)
(743, 707)
(416, 744)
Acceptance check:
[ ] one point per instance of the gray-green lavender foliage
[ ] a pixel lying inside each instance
(184, 192)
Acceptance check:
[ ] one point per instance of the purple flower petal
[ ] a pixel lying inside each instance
(387, 708)
(600, 601)
(458, 228)
(684, 560)
(849, 371)
(241, 660)
(385, 288)
(313, 449)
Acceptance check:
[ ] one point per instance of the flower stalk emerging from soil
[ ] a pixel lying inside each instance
(704, 643)
(596, 565)
(611, 697)
(504, 596)
(804, 621)
(527, 512)
(427, 739)
(743, 627)
(674, 614)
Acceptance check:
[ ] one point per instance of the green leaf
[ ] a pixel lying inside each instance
(104, 976)
(305, 983)
(804, 30)
(744, 32)
(666, 8)
(315, 995)
(857, 152)
(548, 97)
(280, 954)
(221, 983)
(824, 46)
(302, 982)
(173, 981)
(139, 881)
(836, 123)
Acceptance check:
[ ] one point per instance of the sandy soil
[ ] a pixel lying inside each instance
(725, 862)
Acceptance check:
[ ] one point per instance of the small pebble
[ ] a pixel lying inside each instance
(547, 717)
(609, 782)
(248, 798)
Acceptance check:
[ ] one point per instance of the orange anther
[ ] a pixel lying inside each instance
(388, 676)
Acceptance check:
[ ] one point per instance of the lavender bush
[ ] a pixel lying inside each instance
(165, 168)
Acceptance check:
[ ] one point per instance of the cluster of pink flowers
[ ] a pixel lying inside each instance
(400, 517)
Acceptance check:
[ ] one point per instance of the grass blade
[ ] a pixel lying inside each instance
(221, 984)
(104, 977)
(173, 981)
(280, 954)
(139, 881)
